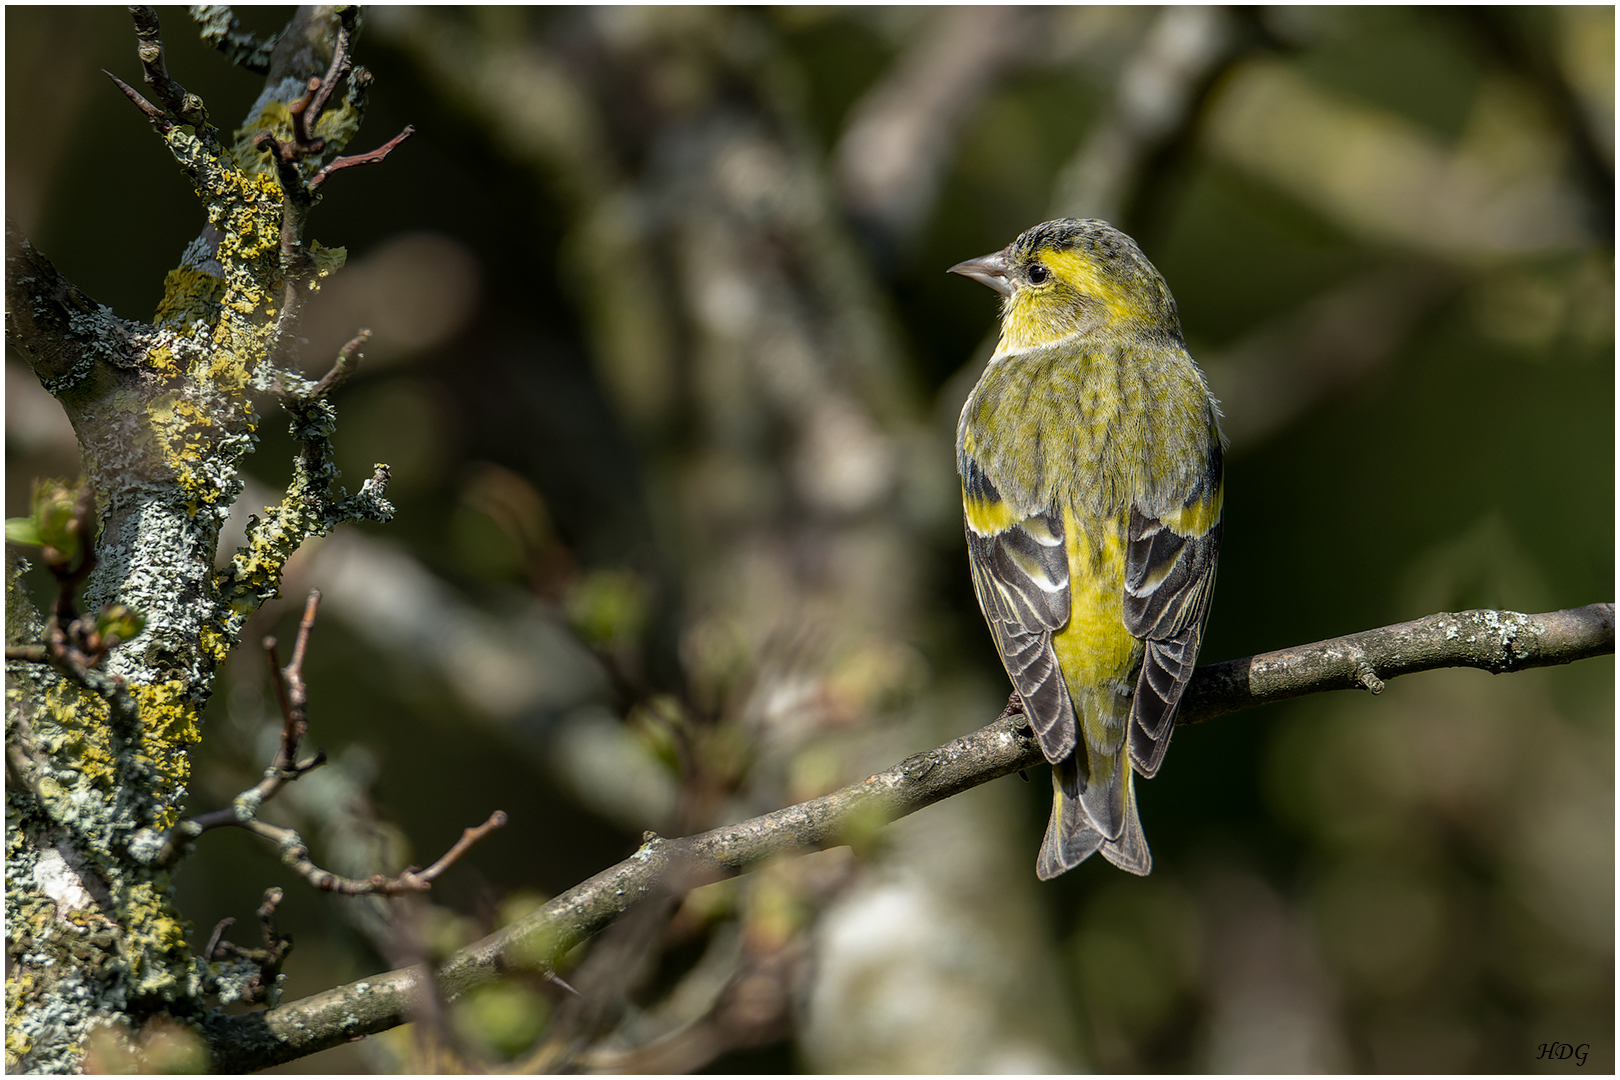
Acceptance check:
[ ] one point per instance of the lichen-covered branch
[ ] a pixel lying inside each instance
(164, 411)
(1497, 641)
(218, 26)
(58, 330)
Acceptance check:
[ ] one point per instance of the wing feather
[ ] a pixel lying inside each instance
(1021, 576)
(1169, 579)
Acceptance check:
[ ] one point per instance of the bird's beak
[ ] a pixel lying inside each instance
(988, 270)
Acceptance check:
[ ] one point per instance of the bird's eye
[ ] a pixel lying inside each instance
(1038, 274)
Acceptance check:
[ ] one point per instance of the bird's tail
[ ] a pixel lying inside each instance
(1071, 837)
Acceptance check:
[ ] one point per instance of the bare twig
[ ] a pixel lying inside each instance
(186, 107)
(211, 949)
(293, 696)
(293, 673)
(470, 836)
(339, 67)
(303, 120)
(370, 158)
(295, 855)
(1494, 641)
(299, 195)
(286, 157)
(348, 359)
(1497, 641)
(160, 119)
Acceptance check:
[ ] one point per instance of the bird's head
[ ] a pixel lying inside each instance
(1073, 276)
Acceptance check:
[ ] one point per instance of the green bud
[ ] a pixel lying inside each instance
(608, 607)
(119, 622)
(52, 525)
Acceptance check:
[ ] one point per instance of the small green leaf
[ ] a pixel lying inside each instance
(22, 531)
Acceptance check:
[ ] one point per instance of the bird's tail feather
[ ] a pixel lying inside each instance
(1070, 837)
(1130, 852)
(1105, 769)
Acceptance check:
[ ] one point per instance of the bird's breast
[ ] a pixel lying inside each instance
(1051, 430)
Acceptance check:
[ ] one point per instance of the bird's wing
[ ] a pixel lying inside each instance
(1169, 578)
(1021, 576)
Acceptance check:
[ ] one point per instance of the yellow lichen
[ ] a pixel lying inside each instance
(169, 726)
(188, 295)
(328, 261)
(154, 941)
(161, 359)
(19, 989)
(215, 644)
(82, 719)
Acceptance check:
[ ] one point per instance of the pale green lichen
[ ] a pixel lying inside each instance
(326, 261)
(217, 26)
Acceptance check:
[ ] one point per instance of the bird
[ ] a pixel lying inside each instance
(1093, 483)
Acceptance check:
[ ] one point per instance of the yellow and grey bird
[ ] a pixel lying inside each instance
(1092, 482)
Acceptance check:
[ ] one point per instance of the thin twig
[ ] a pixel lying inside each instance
(267, 916)
(339, 67)
(268, 959)
(303, 121)
(186, 107)
(276, 680)
(295, 855)
(211, 949)
(294, 671)
(285, 156)
(469, 837)
(348, 359)
(293, 696)
(369, 158)
(160, 120)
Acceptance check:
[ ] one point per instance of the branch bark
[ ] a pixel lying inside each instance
(1496, 641)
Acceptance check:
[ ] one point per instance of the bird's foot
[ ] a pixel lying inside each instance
(1015, 711)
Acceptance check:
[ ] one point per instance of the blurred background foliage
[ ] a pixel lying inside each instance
(667, 366)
